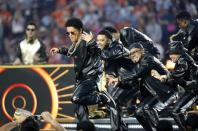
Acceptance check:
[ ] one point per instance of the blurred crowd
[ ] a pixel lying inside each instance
(156, 18)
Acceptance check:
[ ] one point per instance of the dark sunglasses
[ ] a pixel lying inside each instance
(28, 29)
(70, 33)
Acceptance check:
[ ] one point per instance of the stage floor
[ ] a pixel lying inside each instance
(104, 124)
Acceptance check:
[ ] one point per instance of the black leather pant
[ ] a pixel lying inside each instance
(185, 101)
(147, 115)
(156, 100)
(86, 93)
(121, 96)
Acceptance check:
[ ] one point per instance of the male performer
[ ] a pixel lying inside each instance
(88, 69)
(184, 74)
(116, 63)
(188, 33)
(31, 50)
(129, 35)
(152, 90)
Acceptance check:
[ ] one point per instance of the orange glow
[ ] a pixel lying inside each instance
(50, 85)
(14, 86)
(60, 75)
(1, 70)
(65, 88)
(17, 97)
(52, 89)
(54, 71)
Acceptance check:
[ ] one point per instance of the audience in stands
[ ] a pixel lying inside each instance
(50, 16)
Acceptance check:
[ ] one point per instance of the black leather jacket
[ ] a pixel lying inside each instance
(193, 39)
(184, 72)
(116, 58)
(129, 36)
(143, 69)
(141, 77)
(87, 61)
(114, 51)
(189, 38)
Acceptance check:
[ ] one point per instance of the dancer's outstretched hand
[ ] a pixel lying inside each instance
(87, 36)
(54, 51)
